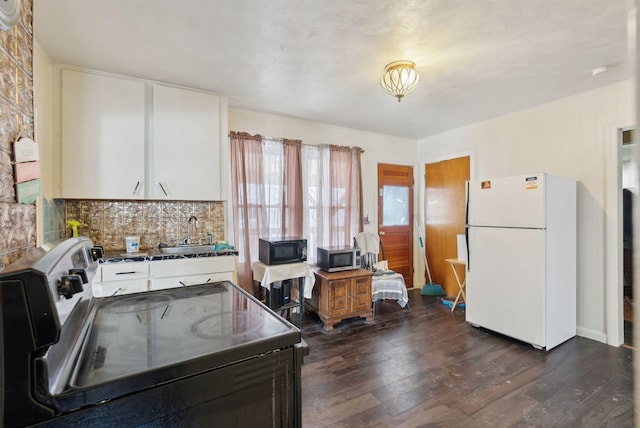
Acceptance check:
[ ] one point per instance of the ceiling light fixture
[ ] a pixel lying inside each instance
(399, 78)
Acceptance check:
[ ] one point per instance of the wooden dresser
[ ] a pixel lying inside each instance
(341, 295)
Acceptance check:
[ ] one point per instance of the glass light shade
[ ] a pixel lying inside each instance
(399, 78)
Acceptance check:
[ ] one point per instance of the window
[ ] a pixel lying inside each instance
(285, 188)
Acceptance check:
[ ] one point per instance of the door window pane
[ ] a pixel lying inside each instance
(395, 206)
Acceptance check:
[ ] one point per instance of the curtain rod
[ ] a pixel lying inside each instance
(258, 137)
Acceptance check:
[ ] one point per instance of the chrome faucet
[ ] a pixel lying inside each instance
(193, 218)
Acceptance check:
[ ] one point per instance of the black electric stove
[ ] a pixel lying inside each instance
(204, 355)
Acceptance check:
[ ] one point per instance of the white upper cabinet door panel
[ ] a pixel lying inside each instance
(103, 136)
(185, 158)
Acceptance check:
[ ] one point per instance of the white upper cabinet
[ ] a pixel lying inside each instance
(103, 136)
(186, 144)
(132, 139)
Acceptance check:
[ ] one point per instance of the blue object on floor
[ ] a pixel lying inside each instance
(449, 303)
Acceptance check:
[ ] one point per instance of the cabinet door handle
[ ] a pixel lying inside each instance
(126, 273)
(135, 190)
(163, 190)
(195, 283)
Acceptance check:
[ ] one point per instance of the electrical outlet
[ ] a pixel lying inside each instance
(94, 223)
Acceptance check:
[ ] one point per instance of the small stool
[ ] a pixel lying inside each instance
(461, 285)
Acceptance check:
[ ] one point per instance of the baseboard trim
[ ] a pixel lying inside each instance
(591, 334)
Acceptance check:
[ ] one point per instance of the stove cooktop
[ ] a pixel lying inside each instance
(136, 333)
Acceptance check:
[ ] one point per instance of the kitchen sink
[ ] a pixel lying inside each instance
(188, 249)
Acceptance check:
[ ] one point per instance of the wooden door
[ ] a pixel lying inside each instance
(395, 217)
(444, 216)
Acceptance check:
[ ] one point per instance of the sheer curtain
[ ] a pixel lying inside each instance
(266, 195)
(284, 188)
(332, 199)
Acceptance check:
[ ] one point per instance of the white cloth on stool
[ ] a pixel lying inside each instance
(268, 274)
(389, 286)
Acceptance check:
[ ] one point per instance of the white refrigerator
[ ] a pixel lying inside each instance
(521, 257)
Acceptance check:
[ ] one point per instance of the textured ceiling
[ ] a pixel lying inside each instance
(322, 59)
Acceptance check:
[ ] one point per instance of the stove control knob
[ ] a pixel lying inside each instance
(69, 285)
(96, 252)
(81, 273)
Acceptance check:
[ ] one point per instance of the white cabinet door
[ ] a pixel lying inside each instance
(186, 272)
(194, 266)
(134, 277)
(121, 278)
(116, 288)
(103, 136)
(185, 159)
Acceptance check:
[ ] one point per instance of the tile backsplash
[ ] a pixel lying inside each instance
(107, 222)
(17, 221)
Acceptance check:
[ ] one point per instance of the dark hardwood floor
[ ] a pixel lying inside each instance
(428, 367)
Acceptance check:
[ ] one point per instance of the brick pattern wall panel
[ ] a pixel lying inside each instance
(26, 20)
(17, 230)
(108, 222)
(7, 188)
(7, 77)
(8, 113)
(17, 221)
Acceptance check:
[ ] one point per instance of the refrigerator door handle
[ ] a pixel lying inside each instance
(466, 207)
(466, 228)
(466, 239)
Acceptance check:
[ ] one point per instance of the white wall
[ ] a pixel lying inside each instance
(573, 137)
(378, 148)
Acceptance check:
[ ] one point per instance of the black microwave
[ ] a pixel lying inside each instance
(336, 259)
(279, 251)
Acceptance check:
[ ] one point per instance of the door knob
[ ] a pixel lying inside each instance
(381, 233)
